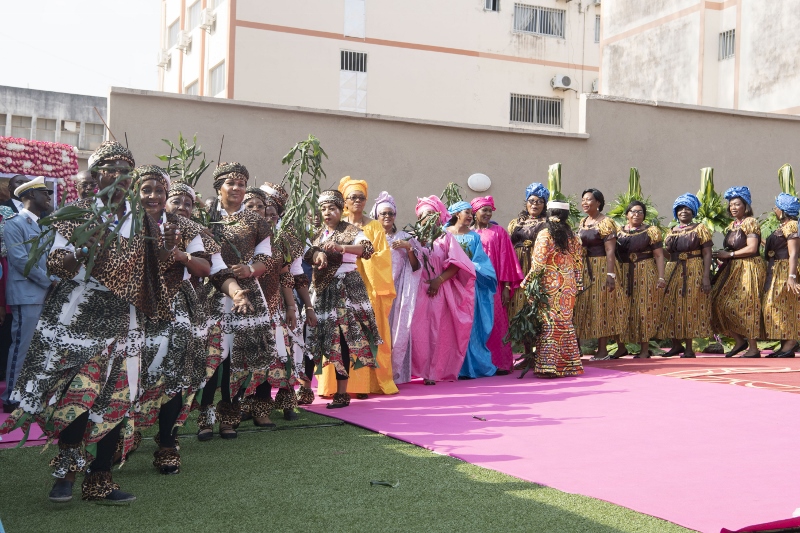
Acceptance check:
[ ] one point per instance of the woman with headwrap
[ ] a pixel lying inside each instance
(523, 231)
(600, 308)
(686, 308)
(736, 291)
(242, 351)
(347, 333)
(81, 371)
(781, 290)
(377, 276)
(292, 248)
(404, 266)
(641, 255)
(255, 200)
(444, 308)
(478, 361)
(498, 247)
(557, 253)
(174, 359)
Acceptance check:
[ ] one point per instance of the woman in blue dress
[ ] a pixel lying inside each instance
(478, 362)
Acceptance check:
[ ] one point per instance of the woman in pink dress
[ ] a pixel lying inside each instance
(497, 245)
(445, 302)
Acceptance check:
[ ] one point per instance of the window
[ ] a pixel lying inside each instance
(213, 4)
(216, 80)
(193, 15)
(597, 28)
(727, 44)
(172, 33)
(70, 131)
(21, 127)
(192, 89)
(46, 129)
(536, 110)
(539, 20)
(3, 123)
(354, 61)
(492, 5)
(93, 135)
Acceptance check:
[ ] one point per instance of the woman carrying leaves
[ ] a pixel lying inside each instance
(478, 361)
(641, 256)
(445, 303)
(346, 337)
(377, 277)
(686, 308)
(781, 290)
(242, 352)
(736, 292)
(498, 247)
(404, 265)
(600, 308)
(81, 372)
(558, 258)
(174, 359)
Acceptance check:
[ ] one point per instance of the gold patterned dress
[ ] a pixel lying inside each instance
(598, 312)
(638, 282)
(736, 295)
(523, 231)
(781, 308)
(686, 309)
(557, 351)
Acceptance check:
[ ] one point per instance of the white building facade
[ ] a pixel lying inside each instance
(486, 62)
(735, 54)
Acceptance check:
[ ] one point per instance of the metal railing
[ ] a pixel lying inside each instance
(536, 110)
(727, 44)
(353, 61)
(539, 20)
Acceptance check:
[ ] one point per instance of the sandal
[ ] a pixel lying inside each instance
(736, 349)
(674, 351)
(227, 432)
(205, 434)
(595, 358)
(429, 382)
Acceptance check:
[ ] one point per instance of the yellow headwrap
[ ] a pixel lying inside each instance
(347, 185)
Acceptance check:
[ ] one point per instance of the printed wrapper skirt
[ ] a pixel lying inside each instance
(685, 314)
(736, 298)
(781, 308)
(557, 351)
(644, 303)
(599, 312)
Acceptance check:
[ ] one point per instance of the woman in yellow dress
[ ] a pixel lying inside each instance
(781, 291)
(736, 294)
(686, 311)
(377, 276)
(599, 308)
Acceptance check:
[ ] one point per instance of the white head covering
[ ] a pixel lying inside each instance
(35, 183)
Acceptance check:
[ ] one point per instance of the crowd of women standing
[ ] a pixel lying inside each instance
(180, 314)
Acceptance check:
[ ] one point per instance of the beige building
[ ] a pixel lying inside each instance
(736, 54)
(500, 63)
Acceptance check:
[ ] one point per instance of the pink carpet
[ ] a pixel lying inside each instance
(702, 455)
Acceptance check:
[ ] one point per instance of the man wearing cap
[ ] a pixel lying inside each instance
(25, 294)
(14, 202)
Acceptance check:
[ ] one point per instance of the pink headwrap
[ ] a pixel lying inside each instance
(432, 203)
(482, 201)
(384, 199)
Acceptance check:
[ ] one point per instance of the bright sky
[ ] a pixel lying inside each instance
(79, 46)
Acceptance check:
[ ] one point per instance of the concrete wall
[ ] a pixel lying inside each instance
(668, 143)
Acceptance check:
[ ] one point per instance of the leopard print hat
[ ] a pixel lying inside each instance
(146, 172)
(222, 172)
(179, 188)
(110, 151)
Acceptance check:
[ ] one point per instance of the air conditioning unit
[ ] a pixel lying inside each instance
(184, 41)
(207, 19)
(596, 86)
(562, 82)
(163, 58)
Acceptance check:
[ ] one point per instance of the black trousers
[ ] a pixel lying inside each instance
(345, 356)
(73, 435)
(167, 417)
(211, 387)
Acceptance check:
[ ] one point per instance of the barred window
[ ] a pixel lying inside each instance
(536, 110)
(353, 61)
(492, 5)
(727, 44)
(597, 28)
(539, 20)
(216, 79)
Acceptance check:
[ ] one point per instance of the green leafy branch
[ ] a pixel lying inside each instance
(617, 212)
(302, 181)
(554, 186)
(768, 221)
(526, 325)
(452, 194)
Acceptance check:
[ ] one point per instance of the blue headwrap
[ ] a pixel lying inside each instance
(788, 204)
(538, 190)
(687, 200)
(458, 207)
(738, 192)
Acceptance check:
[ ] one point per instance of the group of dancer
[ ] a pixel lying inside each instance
(177, 313)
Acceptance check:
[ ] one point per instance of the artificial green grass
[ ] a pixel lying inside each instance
(304, 479)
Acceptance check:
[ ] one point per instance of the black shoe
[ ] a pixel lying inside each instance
(754, 356)
(117, 497)
(736, 349)
(289, 414)
(688, 356)
(61, 491)
(9, 407)
(501, 372)
(786, 355)
(673, 352)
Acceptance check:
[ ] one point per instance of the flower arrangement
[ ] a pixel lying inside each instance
(41, 158)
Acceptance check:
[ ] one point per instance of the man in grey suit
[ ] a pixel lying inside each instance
(25, 294)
